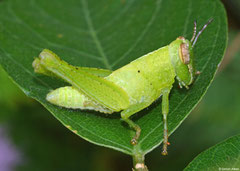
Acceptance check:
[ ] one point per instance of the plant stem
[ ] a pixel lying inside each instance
(138, 163)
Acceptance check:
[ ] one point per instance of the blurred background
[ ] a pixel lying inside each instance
(31, 139)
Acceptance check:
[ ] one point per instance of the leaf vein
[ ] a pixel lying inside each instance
(20, 21)
(94, 35)
(158, 5)
(8, 55)
(34, 4)
(117, 16)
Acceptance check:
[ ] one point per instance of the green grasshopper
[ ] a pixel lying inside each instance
(128, 89)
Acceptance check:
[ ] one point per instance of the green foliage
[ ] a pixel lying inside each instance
(109, 34)
(221, 156)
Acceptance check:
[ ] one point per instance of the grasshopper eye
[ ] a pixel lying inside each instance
(184, 53)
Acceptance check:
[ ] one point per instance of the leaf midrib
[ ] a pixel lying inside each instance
(94, 35)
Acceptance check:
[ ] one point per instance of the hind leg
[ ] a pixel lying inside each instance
(95, 87)
(70, 97)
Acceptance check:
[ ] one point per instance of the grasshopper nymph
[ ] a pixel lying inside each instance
(128, 89)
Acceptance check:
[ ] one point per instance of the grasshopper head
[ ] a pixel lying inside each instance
(181, 54)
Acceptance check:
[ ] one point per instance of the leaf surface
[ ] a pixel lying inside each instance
(225, 155)
(109, 34)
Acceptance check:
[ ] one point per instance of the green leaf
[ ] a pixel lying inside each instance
(109, 34)
(221, 156)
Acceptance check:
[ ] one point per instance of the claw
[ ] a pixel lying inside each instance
(164, 153)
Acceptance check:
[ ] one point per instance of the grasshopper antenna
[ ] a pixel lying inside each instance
(200, 32)
(194, 31)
